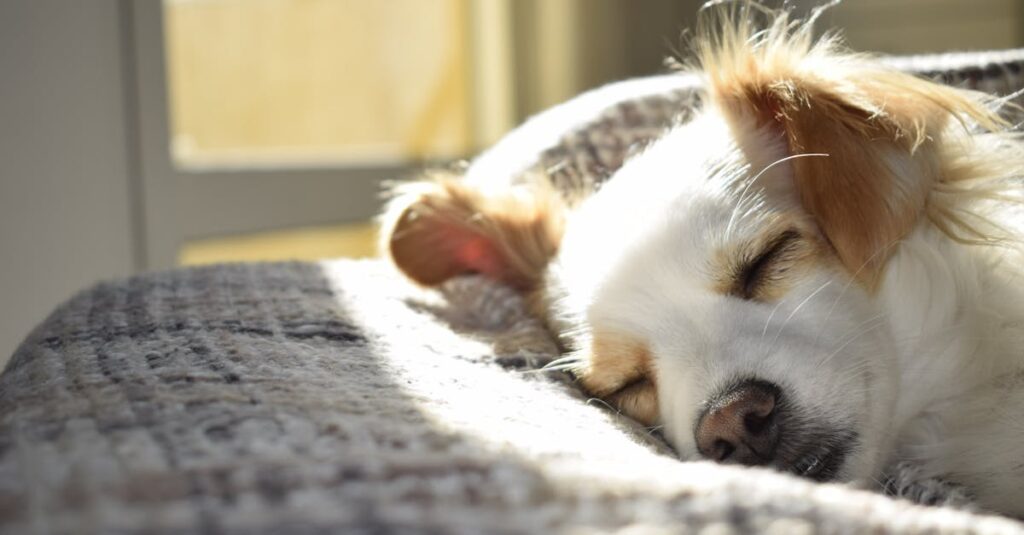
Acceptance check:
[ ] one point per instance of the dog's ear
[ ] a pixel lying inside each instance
(878, 133)
(443, 227)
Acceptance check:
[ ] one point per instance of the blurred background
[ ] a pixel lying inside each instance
(145, 134)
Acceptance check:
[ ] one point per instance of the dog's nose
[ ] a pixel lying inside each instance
(740, 425)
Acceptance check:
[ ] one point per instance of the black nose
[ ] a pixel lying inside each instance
(740, 425)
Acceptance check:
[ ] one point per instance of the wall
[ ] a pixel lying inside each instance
(920, 26)
(337, 81)
(64, 184)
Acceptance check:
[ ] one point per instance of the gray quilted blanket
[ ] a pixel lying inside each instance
(337, 398)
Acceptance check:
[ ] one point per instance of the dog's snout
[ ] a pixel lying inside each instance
(740, 425)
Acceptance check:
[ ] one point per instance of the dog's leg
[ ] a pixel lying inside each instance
(904, 480)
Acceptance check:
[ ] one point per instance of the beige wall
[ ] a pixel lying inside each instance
(318, 80)
(64, 195)
(918, 26)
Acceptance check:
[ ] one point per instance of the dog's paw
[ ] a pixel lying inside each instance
(905, 480)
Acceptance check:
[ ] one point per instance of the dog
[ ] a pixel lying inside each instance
(819, 273)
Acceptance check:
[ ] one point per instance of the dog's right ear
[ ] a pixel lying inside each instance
(436, 229)
(880, 140)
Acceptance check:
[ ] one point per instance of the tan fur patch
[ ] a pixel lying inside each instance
(764, 267)
(619, 369)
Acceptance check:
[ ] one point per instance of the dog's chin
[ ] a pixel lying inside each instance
(845, 457)
(863, 465)
(819, 453)
(823, 463)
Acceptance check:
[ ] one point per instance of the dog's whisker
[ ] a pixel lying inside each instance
(568, 360)
(605, 404)
(849, 284)
(548, 369)
(770, 316)
(998, 102)
(738, 208)
(797, 309)
(752, 181)
(872, 324)
(788, 158)
(818, 11)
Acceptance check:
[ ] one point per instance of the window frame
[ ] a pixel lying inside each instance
(176, 204)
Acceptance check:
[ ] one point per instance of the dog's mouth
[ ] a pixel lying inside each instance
(811, 448)
(820, 464)
(816, 455)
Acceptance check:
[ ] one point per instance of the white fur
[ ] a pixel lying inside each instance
(926, 369)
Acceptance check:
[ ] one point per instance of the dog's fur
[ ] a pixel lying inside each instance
(842, 230)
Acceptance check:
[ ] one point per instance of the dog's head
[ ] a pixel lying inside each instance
(725, 282)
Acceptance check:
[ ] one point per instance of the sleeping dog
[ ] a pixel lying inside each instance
(818, 273)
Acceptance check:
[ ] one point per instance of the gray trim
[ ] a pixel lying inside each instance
(159, 194)
(137, 216)
(213, 203)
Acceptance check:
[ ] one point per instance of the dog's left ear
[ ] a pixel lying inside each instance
(882, 131)
(444, 226)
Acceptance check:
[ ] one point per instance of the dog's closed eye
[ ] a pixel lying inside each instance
(758, 270)
(638, 399)
(768, 266)
(618, 368)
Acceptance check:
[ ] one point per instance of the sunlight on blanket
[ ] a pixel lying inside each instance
(496, 406)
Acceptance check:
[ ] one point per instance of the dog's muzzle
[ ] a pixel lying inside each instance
(750, 423)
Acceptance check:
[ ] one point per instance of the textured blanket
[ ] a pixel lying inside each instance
(335, 397)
